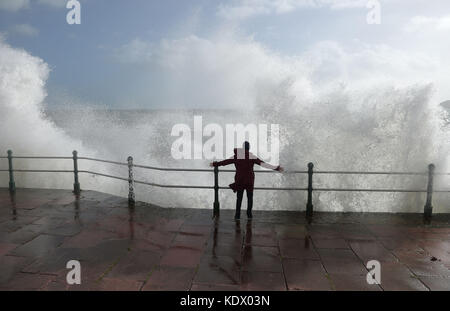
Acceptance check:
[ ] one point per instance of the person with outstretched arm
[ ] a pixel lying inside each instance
(244, 179)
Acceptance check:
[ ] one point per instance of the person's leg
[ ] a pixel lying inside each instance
(240, 195)
(249, 204)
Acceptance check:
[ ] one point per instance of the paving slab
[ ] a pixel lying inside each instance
(436, 283)
(261, 258)
(10, 266)
(5, 248)
(136, 265)
(170, 278)
(219, 270)
(305, 274)
(262, 281)
(331, 243)
(371, 250)
(185, 257)
(214, 287)
(146, 247)
(395, 276)
(298, 248)
(39, 246)
(350, 282)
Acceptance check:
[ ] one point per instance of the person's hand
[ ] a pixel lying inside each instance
(280, 169)
(211, 164)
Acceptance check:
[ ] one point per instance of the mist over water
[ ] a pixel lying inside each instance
(371, 126)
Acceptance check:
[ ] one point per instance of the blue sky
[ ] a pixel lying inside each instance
(164, 54)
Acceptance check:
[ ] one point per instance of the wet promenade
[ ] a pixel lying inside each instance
(150, 248)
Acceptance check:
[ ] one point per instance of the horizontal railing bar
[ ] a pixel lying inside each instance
(172, 186)
(204, 170)
(99, 160)
(257, 171)
(266, 171)
(42, 171)
(208, 187)
(369, 173)
(270, 188)
(368, 190)
(173, 169)
(288, 172)
(287, 188)
(225, 170)
(211, 187)
(104, 175)
(41, 157)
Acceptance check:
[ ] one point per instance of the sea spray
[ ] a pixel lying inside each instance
(377, 127)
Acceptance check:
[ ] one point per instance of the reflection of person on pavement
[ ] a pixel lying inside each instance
(244, 179)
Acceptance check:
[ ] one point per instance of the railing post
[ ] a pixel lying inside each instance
(216, 193)
(12, 184)
(76, 184)
(131, 196)
(309, 205)
(428, 209)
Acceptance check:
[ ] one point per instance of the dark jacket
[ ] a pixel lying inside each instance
(243, 161)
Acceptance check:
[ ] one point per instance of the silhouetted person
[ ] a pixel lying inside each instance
(244, 179)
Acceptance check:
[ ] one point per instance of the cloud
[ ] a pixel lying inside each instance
(53, 3)
(425, 23)
(135, 51)
(25, 30)
(229, 70)
(14, 5)
(242, 9)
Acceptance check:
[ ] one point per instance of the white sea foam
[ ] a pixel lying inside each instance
(329, 113)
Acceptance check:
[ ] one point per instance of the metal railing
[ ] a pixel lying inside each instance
(428, 208)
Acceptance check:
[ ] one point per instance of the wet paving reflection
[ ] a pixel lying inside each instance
(150, 248)
(12, 196)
